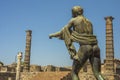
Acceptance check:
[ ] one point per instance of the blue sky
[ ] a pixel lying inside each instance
(47, 16)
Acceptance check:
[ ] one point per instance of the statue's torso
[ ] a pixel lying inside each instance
(82, 25)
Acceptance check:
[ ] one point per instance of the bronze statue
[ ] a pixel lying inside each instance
(80, 30)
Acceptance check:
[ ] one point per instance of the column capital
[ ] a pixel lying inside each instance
(29, 32)
(109, 19)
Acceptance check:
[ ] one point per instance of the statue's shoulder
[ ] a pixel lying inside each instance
(87, 21)
(81, 18)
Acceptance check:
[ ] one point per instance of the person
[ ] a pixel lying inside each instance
(80, 30)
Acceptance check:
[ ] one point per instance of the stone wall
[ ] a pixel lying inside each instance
(35, 68)
(52, 68)
(7, 76)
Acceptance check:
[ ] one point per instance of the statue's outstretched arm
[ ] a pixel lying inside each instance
(60, 33)
(57, 35)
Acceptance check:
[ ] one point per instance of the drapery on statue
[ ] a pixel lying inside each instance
(80, 30)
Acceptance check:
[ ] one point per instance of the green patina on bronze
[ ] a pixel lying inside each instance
(80, 30)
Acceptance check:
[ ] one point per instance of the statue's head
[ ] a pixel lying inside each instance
(76, 11)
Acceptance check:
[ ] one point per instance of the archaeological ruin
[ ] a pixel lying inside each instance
(110, 68)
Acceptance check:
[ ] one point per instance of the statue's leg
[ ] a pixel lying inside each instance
(75, 70)
(96, 63)
(83, 56)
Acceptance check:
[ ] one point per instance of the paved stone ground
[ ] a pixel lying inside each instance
(45, 75)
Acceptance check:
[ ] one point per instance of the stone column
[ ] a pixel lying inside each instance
(109, 64)
(27, 51)
(18, 69)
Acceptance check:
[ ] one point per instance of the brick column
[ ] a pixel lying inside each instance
(27, 51)
(109, 48)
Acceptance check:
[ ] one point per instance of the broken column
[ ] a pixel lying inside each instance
(18, 69)
(27, 51)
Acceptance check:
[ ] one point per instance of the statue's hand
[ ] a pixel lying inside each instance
(50, 36)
